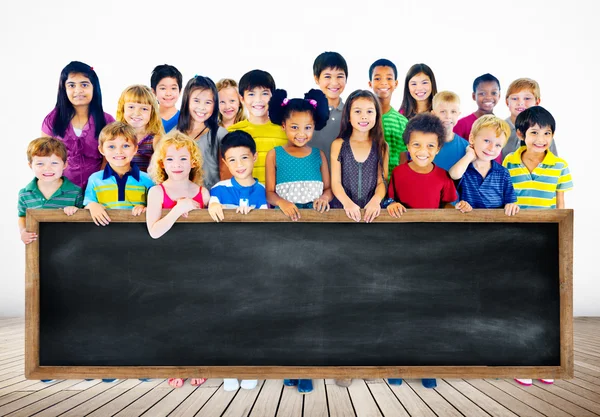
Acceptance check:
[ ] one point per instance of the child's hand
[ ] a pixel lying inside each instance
(289, 209)
(321, 205)
(185, 205)
(470, 151)
(137, 210)
(69, 211)
(216, 212)
(99, 214)
(352, 211)
(511, 209)
(372, 210)
(28, 237)
(463, 206)
(396, 210)
(244, 209)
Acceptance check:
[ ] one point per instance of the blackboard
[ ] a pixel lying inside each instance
(306, 294)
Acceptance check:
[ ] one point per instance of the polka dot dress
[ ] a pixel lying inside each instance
(298, 179)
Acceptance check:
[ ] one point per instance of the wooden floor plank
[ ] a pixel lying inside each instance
(243, 401)
(491, 406)
(564, 396)
(579, 387)
(41, 405)
(117, 404)
(171, 401)
(415, 406)
(217, 403)
(339, 401)
(145, 402)
(268, 399)
(514, 404)
(36, 396)
(364, 404)
(387, 401)
(315, 404)
(15, 384)
(13, 396)
(291, 403)
(463, 404)
(112, 391)
(194, 402)
(433, 399)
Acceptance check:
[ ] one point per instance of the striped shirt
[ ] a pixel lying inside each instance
(538, 189)
(144, 152)
(114, 192)
(231, 194)
(494, 191)
(66, 196)
(393, 127)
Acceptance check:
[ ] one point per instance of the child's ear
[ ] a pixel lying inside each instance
(396, 83)
(316, 79)
(471, 139)
(370, 84)
(100, 150)
(473, 96)
(255, 156)
(520, 135)
(66, 165)
(537, 102)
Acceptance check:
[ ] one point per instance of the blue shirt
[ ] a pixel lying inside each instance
(231, 194)
(112, 191)
(494, 191)
(451, 152)
(171, 123)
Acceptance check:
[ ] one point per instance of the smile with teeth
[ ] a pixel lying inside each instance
(422, 158)
(363, 124)
(50, 174)
(119, 158)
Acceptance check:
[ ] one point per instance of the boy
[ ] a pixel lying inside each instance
(420, 184)
(166, 84)
(256, 88)
(383, 77)
(242, 192)
(486, 93)
(331, 73)
(483, 182)
(121, 184)
(446, 106)
(540, 178)
(522, 94)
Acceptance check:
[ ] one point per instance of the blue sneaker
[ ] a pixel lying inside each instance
(145, 379)
(290, 382)
(429, 382)
(305, 386)
(47, 380)
(395, 381)
(109, 380)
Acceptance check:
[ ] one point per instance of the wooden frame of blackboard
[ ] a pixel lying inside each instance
(564, 219)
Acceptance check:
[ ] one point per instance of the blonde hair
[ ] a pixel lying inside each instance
(142, 94)
(521, 84)
(489, 121)
(156, 170)
(445, 97)
(226, 83)
(115, 129)
(46, 146)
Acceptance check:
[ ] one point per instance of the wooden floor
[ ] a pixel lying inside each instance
(578, 397)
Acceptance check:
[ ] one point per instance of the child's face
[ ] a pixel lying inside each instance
(383, 82)
(47, 168)
(202, 105)
(229, 103)
(257, 101)
(332, 82)
(419, 87)
(80, 90)
(118, 152)
(299, 128)
(177, 163)
(517, 102)
(448, 114)
(137, 115)
(537, 138)
(363, 114)
(486, 144)
(167, 92)
(486, 96)
(240, 162)
(423, 147)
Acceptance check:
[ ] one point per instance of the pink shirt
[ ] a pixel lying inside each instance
(464, 125)
(169, 204)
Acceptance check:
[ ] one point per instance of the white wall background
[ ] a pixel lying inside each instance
(552, 42)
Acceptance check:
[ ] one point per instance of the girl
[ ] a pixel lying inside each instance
(359, 158)
(138, 108)
(297, 176)
(419, 89)
(77, 120)
(231, 110)
(199, 120)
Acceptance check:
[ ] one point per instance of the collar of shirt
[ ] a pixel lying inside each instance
(65, 186)
(549, 159)
(133, 172)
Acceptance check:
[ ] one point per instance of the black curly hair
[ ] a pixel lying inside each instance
(280, 112)
(426, 123)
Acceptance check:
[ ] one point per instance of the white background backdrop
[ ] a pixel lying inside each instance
(551, 42)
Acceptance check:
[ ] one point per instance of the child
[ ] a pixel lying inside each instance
(298, 175)
(77, 120)
(231, 110)
(199, 120)
(419, 89)
(166, 83)
(446, 106)
(138, 108)
(486, 93)
(121, 184)
(331, 73)
(522, 94)
(256, 88)
(383, 77)
(483, 182)
(242, 192)
(359, 158)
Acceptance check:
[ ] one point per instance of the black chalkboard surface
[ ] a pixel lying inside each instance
(300, 294)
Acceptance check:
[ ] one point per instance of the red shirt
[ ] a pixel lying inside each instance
(464, 125)
(421, 191)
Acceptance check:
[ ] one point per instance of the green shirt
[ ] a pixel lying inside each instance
(67, 195)
(393, 127)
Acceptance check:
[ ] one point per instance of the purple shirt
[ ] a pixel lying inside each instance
(83, 156)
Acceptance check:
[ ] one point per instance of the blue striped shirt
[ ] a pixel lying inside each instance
(494, 191)
(231, 194)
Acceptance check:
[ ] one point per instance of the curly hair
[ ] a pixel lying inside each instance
(281, 109)
(156, 170)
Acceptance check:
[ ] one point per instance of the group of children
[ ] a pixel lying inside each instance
(248, 146)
